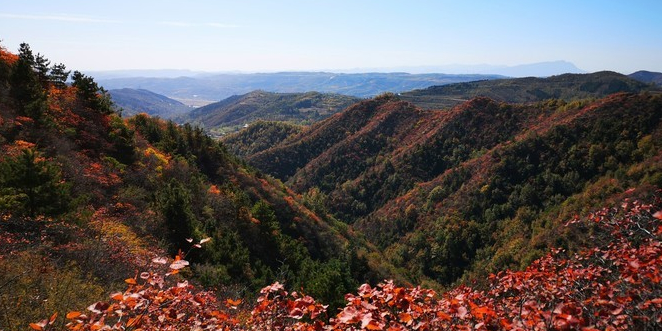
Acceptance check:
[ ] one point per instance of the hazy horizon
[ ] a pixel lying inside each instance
(297, 35)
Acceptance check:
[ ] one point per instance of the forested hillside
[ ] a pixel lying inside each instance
(477, 188)
(87, 198)
(259, 136)
(235, 112)
(132, 102)
(567, 87)
(647, 77)
(490, 215)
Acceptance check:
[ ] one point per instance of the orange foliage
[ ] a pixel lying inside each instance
(615, 286)
(101, 175)
(213, 189)
(7, 57)
(17, 148)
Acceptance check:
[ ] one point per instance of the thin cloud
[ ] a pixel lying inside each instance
(190, 25)
(63, 18)
(221, 25)
(179, 24)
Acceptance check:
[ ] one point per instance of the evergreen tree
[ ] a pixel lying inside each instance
(91, 94)
(32, 186)
(41, 68)
(59, 75)
(174, 201)
(26, 89)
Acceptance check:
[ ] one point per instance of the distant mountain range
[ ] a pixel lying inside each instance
(566, 87)
(239, 110)
(540, 69)
(647, 77)
(221, 86)
(133, 101)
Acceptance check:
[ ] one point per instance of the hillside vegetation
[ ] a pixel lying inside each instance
(239, 110)
(87, 198)
(259, 136)
(567, 87)
(647, 77)
(132, 102)
(477, 188)
(490, 215)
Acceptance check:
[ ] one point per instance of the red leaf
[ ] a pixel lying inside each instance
(160, 260)
(461, 312)
(36, 326)
(52, 319)
(73, 314)
(444, 316)
(405, 317)
(98, 307)
(370, 324)
(373, 325)
(296, 313)
(131, 281)
(178, 264)
(235, 303)
(480, 311)
(348, 315)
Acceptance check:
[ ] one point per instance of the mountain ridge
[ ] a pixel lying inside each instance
(221, 86)
(133, 102)
(240, 110)
(567, 87)
(389, 178)
(647, 77)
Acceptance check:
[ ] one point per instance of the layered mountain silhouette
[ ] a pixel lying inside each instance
(531, 89)
(221, 86)
(132, 102)
(237, 111)
(647, 77)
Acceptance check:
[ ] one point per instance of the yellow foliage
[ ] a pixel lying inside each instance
(111, 229)
(160, 157)
(33, 288)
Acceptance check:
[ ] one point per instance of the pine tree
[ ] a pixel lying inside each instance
(175, 204)
(59, 75)
(32, 186)
(26, 89)
(41, 68)
(91, 94)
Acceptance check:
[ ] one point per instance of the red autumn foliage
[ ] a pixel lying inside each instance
(7, 57)
(613, 286)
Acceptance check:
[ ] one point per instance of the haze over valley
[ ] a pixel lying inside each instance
(435, 165)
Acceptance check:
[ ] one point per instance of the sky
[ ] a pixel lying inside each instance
(296, 35)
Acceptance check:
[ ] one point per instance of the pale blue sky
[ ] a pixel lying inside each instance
(252, 35)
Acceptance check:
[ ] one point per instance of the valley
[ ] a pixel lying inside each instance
(454, 205)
